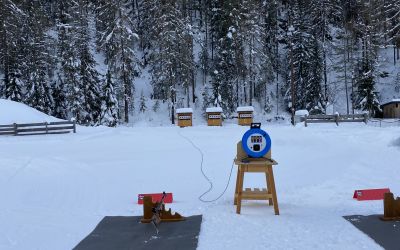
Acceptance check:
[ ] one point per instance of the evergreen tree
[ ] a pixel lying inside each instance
(38, 93)
(68, 59)
(142, 105)
(59, 100)
(11, 17)
(367, 96)
(228, 62)
(118, 40)
(89, 77)
(109, 106)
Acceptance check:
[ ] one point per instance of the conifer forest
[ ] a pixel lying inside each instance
(82, 59)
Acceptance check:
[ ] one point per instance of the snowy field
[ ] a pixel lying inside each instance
(55, 189)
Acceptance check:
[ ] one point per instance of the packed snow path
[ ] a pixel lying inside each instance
(55, 189)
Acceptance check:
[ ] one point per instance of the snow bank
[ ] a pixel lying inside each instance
(15, 112)
(184, 110)
(302, 112)
(214, 110)
(245, 109)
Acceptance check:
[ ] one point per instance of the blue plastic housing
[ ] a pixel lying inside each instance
(249, 151)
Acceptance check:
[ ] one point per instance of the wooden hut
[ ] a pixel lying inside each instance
(245, 115)
(185, 116)
(391, 109)
(214, 116)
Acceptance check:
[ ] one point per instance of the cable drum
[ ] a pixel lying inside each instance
(256, 142)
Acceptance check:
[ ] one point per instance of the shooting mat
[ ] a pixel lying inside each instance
(385, 233)
(126, 233)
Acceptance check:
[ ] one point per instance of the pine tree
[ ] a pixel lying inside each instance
(59, 100)
(89, 77)
(109, 107)
(367, 96)
(229, 63)
(68, 59)
(11, 17)
(142, 105)
(172, 64)
(118, 40)
(38, 93)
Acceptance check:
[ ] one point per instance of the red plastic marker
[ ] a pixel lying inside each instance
(156, 197)
(370, 194)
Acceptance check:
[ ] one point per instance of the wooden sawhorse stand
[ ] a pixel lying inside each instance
(255, 165)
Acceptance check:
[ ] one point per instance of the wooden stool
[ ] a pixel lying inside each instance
(255, 165)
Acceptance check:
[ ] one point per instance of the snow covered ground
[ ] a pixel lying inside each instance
(55, 189)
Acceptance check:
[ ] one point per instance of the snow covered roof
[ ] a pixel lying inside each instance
(301, 112)
(214, 110)
(392, 101)
(184, 110)
(245, 109)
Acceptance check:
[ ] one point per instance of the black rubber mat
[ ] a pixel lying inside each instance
(385, 233)
(127, 233)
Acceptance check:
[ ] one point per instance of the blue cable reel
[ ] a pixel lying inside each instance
(256, 142)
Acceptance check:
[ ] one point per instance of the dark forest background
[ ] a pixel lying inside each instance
(217, 52)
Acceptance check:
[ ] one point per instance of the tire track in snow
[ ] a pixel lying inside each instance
(19, 170)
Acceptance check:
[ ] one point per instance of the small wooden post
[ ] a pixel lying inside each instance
(74, 122)
(305, 120)
(337, 119)
(47, 129)
(391, 207)
(365, 118)
(15, 129)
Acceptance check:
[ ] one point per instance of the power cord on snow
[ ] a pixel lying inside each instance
(205, 176)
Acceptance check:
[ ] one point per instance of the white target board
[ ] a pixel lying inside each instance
(246, 115)
(214, 116)
(184, 117)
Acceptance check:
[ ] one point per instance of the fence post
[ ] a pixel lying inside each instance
(47, 129)
(365, 118)
(74, 126)
(305, 120)
(15, 129)
(337, 119)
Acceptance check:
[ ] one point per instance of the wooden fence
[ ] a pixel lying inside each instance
(44, 128)
(335, 118)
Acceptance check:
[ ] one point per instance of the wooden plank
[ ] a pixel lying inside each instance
(255, 196)
(7, 133)
(6, 129)
(7, 126)
(321, 121)
(61, 123)
(24, 125)
(355, 120)
(25, 130)
(44, 133)
(321, 117)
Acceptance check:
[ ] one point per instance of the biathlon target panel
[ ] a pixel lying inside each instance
(256, 142)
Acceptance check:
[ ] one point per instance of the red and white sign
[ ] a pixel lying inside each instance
(156, 197)
(370, 194)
